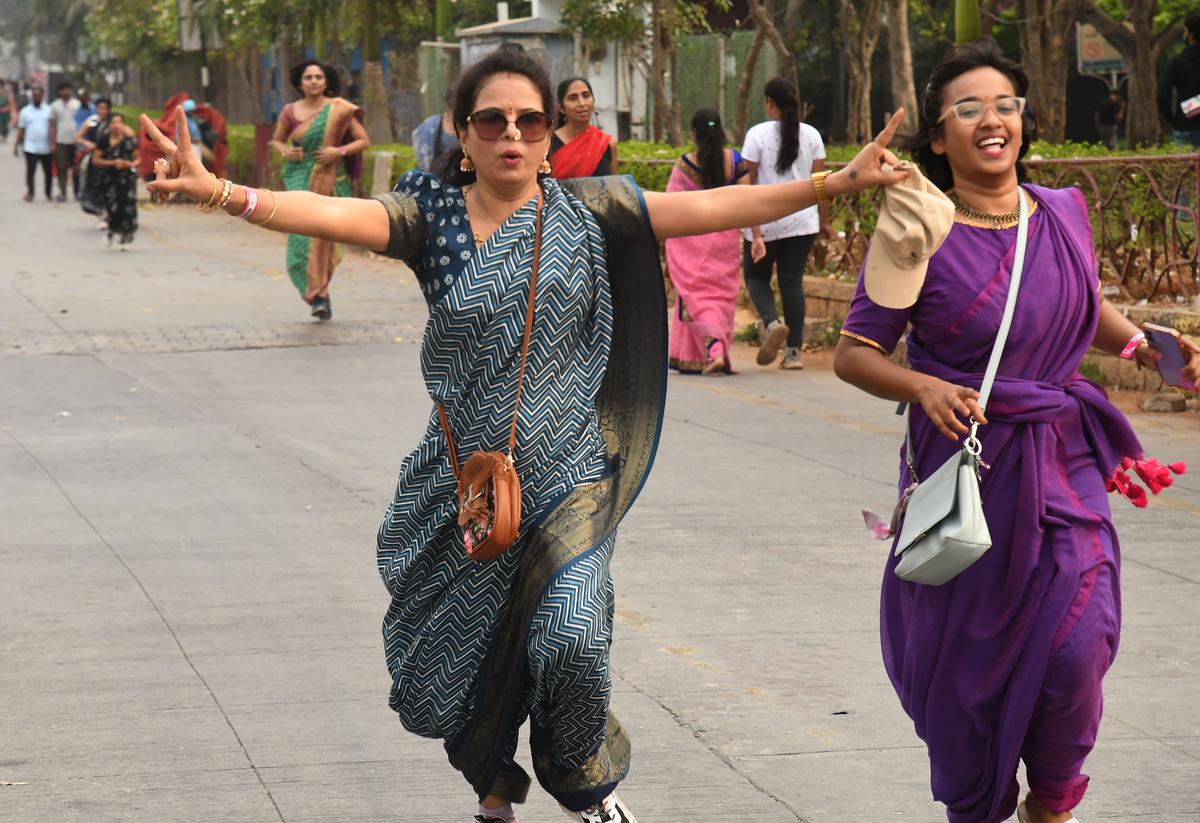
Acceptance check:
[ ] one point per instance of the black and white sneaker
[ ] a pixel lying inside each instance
(481, 819)
(610, 810)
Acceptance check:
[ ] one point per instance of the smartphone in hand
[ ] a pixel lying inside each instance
(1172, 358)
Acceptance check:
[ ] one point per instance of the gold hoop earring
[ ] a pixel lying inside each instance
(466, 164)
(545, 167)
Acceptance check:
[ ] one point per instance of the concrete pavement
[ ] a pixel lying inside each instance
(191, 475)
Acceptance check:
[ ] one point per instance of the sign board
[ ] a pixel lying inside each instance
(1094, 54)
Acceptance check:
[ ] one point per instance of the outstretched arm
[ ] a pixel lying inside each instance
(341, 219)
(679, 214)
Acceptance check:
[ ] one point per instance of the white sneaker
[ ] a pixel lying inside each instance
(774, 337)
(791, 359)
(609, 810)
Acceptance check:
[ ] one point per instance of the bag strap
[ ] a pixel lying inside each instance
(989, 376)
(529, 311)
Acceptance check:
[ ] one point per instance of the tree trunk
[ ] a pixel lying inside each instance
(904, 91)
(1045, 30)
(763, 12)
(374, 90)
(860, 26)
(666, 111)
(1140, 48)
(793, 18)
(743, 100)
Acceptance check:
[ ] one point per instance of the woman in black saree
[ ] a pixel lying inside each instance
(475, 648)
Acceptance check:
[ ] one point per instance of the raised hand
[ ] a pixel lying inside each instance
(874, 165)
(179, 170)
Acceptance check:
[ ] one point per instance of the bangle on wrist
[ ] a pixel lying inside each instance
(251, 203)
(1130, 350)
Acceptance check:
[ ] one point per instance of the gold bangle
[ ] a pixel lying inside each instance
(225, 195)
(207, 207)
(818, 181)
(274, 207)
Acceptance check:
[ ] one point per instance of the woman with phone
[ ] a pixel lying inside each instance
(321, 138)
(498, 246)
(1004, 662)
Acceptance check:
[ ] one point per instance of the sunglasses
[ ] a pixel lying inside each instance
(490, 124)
(972, 111)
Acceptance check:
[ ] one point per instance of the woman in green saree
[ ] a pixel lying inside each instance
(476, 648)
(321, 138)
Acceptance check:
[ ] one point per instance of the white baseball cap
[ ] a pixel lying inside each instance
(914, 221)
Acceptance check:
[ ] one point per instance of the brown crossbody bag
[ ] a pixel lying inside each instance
(489, 491)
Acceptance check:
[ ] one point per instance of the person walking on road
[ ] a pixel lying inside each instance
(1005, 661)
(435, 136)
(116, 159)
(35, 137)
(321, 138)
(778, 150)
(6, 109)
(91, 134)
(578, 148)
(65, 108)
(706, 269)
(476, 647)
(1179, 87)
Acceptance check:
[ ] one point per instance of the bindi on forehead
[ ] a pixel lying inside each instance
(980, 84)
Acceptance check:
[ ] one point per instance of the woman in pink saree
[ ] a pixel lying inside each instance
(1004, 663)
(705, 269)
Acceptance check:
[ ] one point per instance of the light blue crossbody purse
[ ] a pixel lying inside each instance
(944, 529)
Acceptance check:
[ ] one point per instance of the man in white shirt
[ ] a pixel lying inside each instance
(35, 137)
(64, 109)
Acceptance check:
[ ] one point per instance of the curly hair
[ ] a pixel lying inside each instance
(982, 53)
(333, 81)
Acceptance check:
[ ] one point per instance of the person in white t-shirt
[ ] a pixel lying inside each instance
(779, 150)
(64, 109)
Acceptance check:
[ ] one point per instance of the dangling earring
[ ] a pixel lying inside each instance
(466, 164)
(545, 167)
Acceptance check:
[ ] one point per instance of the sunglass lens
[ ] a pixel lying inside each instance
(533, 125)
(489, 124)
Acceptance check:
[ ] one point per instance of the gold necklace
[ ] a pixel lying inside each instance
(1004, 219)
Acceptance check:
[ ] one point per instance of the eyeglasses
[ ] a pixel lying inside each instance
(972, 111)
(490, 124)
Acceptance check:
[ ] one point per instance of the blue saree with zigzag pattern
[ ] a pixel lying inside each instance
(475, 648)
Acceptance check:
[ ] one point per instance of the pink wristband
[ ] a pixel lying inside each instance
(251, 203)
(1132, 345)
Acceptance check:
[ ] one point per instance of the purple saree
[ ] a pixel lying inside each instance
(1004, 662)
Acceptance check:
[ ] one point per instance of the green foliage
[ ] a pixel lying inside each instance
(145, 29)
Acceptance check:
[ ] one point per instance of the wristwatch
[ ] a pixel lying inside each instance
(818, 181)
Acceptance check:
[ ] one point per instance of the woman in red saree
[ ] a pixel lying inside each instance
(705, 269)
(577, 148)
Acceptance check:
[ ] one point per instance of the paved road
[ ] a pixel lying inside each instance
(191, 475)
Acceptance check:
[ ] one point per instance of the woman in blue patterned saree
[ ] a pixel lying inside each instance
(476, 648)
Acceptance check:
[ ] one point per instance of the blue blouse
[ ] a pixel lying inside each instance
(449, 243)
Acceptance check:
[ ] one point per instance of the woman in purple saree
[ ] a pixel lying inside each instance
(1005, 662)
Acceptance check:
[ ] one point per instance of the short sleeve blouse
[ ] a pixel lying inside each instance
(430, 230)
